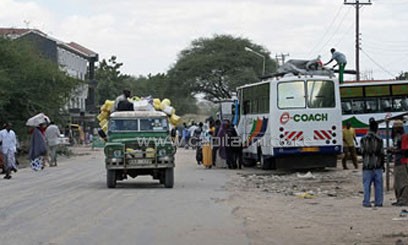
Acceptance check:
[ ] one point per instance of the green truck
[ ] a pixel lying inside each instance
(139, 143)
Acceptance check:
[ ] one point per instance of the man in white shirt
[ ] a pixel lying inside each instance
(52, 134)
(341, 60)
(8, 148)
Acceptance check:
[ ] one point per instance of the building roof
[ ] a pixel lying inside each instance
(72, 46)
(82, 49)
(18, 32)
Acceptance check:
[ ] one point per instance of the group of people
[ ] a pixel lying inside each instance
(43, 145)
(373, 154)
(222, 137)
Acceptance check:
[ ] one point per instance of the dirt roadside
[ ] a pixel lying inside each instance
(318, 208)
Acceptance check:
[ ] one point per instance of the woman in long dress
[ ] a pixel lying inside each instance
(38, 146)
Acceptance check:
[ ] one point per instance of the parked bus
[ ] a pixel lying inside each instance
(377, 99)
(291, 122)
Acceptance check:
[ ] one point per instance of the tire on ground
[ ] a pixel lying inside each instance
(169, 178)
(111, 178)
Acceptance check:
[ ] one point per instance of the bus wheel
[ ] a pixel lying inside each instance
(265, 163)
(248, 162)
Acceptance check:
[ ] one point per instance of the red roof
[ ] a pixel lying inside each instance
(82, 49)
(72, 46)
(17, 31)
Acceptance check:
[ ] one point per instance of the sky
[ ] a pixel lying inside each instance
(147, 36)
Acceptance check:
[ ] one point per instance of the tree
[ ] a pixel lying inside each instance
(30, 84)
(111, 81)
(216, 66)
(402, 76)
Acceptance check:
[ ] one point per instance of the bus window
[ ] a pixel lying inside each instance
(346, 107)
(320, 94)
(371, 106)
(396, 104)
(358, 106)
(386, 105)
(291, 95)
(245, 107)
(404, 104)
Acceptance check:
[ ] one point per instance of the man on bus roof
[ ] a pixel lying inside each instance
(341, 60)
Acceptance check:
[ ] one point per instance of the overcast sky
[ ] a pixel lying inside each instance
(148, 35)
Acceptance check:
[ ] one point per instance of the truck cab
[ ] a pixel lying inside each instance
(139, 143)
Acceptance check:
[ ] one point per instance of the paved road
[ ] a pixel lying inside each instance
(70, 204)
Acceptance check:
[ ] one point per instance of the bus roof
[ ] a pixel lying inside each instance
(287, 78)
(372, 83)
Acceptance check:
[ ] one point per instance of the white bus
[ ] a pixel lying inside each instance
(293, 122)
(377, 99)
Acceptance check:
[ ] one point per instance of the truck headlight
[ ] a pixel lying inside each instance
(117, 153)
(161, 152)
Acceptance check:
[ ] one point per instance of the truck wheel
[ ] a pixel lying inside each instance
(162, 177)
(111, 178)
(169, 178)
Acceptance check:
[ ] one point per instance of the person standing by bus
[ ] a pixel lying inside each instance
(373, 165)
(341, 60)
(400, 147)
(349, 149)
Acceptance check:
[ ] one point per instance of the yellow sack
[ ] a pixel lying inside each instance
(175, 120)
(103, 122)
(134, 98)
(105, 126)
(103, 115)
(156, 103)
(165, 103)
(107, 106)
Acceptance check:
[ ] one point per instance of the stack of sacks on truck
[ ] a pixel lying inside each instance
(140, 104)
(103, 117)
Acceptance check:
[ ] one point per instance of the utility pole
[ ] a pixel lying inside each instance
(281, 57)
(358, 5)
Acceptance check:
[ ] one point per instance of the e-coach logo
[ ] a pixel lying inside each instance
(318, 117)
(285, 117)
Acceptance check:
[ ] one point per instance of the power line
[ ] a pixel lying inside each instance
(335, 32)
(344, 34)
(378, 65)
(327, 29)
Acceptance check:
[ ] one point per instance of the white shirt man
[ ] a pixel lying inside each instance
(52, 133)
(9, 149)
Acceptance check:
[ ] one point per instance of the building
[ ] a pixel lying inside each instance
(76, 60)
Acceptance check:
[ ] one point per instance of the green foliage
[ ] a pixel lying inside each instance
(216, 66)
(30, 84)
(111, 82)
(402, 76)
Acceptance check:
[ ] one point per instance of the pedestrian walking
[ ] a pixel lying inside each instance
(373, 165)
(8, 141)
(349, 149)
(400, 150)
(38, 146)
(341, 60)
(52, 134)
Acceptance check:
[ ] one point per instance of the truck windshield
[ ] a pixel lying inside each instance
(123, 125)
(153, 124)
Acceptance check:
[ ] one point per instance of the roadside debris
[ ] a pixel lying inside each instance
(329, 183)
